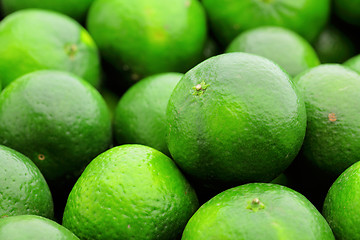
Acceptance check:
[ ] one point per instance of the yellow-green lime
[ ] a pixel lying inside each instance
(342, 204)
(231, 17)
(77, 10)
(35, 39)
(56, 119)
(235, 118)
(140, 115)
(32, 227)
(331, 94)
(145, 37)
(283, 46)
(258, 211)
(23, 189)
(130, 192)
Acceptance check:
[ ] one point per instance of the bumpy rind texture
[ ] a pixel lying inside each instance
(34, 39)
(331, 94)
(130, 192)
(258, 211)
(247, 125)
(23, 189)
(342, 203)
(56, 119)
(145, 37)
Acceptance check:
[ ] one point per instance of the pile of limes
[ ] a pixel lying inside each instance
(182, 119)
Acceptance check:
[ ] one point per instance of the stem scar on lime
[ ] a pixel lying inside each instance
(41, 157)
(71, 49)
(332, 117)
(255, 205)
(200, 88)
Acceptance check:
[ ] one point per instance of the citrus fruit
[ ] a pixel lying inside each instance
(342, 204)
(354, 63)
(235, 118)
(23, 189)
(73, 9)
(331, 95)
(231, 17)
(31, 227)
(258, 211)
(33, 40)
(130, 192)
(333, 46)
(140, 115)
(145, 37)
(56, 119)
(348, 10)
(283, 46)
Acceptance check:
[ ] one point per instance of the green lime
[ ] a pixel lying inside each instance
(145, 37)
(283, 46)
(230, 17)
(56, 119)
(333, 46)
(31, 227)
(354, 63)
(342, 204)
(235, 118)
(33, 40)
(258, 211)
(348, 10)
(130, 192)
(73, 9)
(140, 115)
(331, 94)
(23, 189)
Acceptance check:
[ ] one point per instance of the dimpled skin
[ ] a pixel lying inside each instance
(23, 189)
(331, 95)
(31, 227)
(342, 204)
(140, 115)
(230, 17)
(283, 46)
(248, 125)
(56, 119)
(146, 37)
(77, 11)
(281, 213)
(130, 192)
(33, 40)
